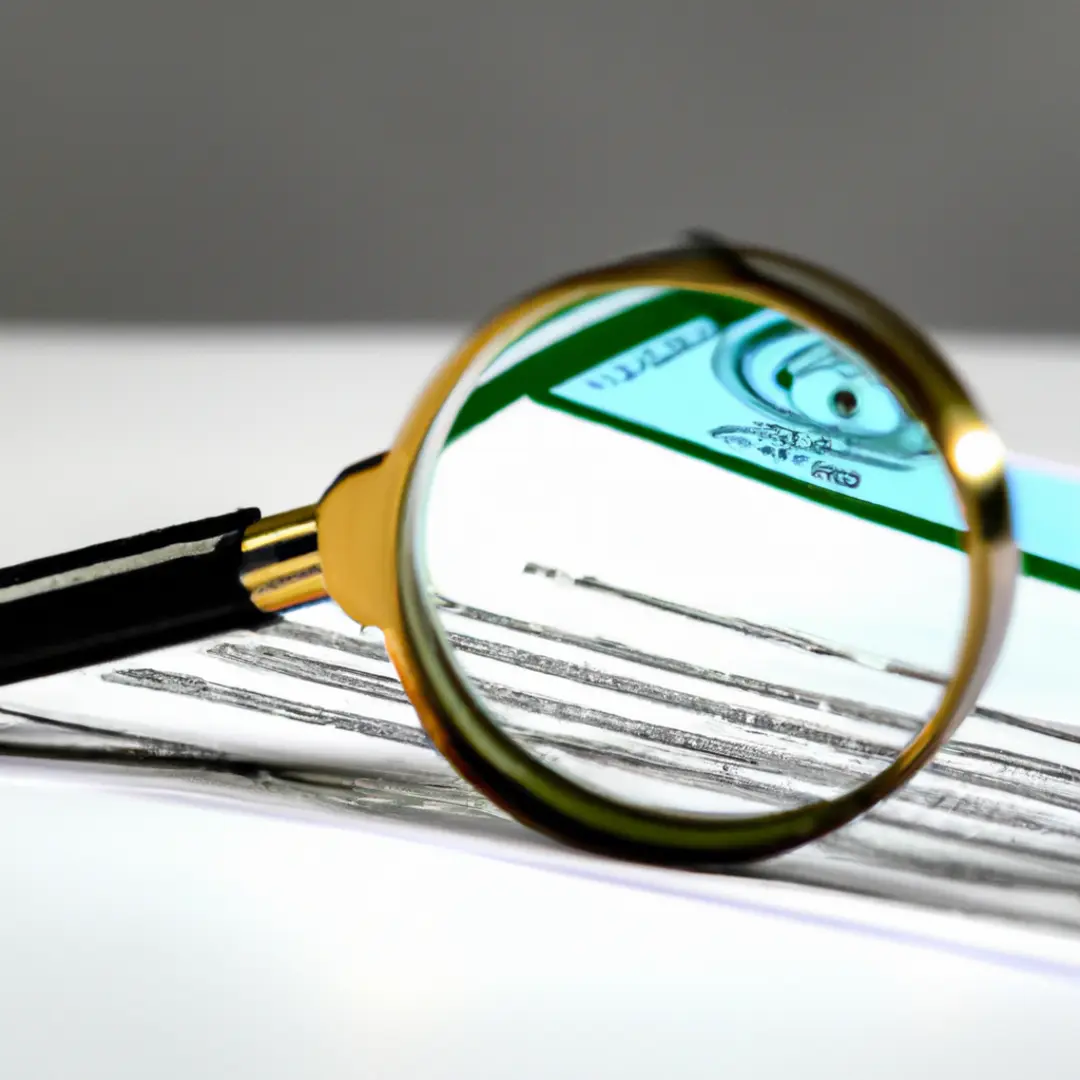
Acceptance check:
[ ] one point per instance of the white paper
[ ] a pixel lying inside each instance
(991, 830)
(984, 835)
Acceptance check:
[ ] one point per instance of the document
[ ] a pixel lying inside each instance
(662, 682)
(990, 829)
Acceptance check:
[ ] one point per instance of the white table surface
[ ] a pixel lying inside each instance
(150, 937)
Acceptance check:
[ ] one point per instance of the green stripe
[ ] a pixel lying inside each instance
(572, 355)
(1056, 573)
(836, 500)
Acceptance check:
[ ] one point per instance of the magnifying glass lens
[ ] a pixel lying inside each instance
(695, 556)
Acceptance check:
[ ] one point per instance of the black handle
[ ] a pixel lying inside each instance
(110, 600)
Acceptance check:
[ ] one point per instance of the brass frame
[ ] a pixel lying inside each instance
(368, 524)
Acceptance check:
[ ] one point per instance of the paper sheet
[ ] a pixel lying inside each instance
(985, 830)
(991, 829)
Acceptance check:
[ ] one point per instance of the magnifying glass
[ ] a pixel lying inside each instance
(725, 463)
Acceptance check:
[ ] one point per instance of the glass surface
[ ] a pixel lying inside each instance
(696, 556)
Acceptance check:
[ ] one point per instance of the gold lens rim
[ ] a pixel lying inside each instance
(369, 524)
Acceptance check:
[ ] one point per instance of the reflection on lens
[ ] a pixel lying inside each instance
(696, 556)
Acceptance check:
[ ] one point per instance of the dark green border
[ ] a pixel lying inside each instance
(534, 377)
(835, 500)
(564, 359)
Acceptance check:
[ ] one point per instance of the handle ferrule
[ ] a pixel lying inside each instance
(280, 565)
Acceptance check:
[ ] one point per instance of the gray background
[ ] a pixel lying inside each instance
(255, 160)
